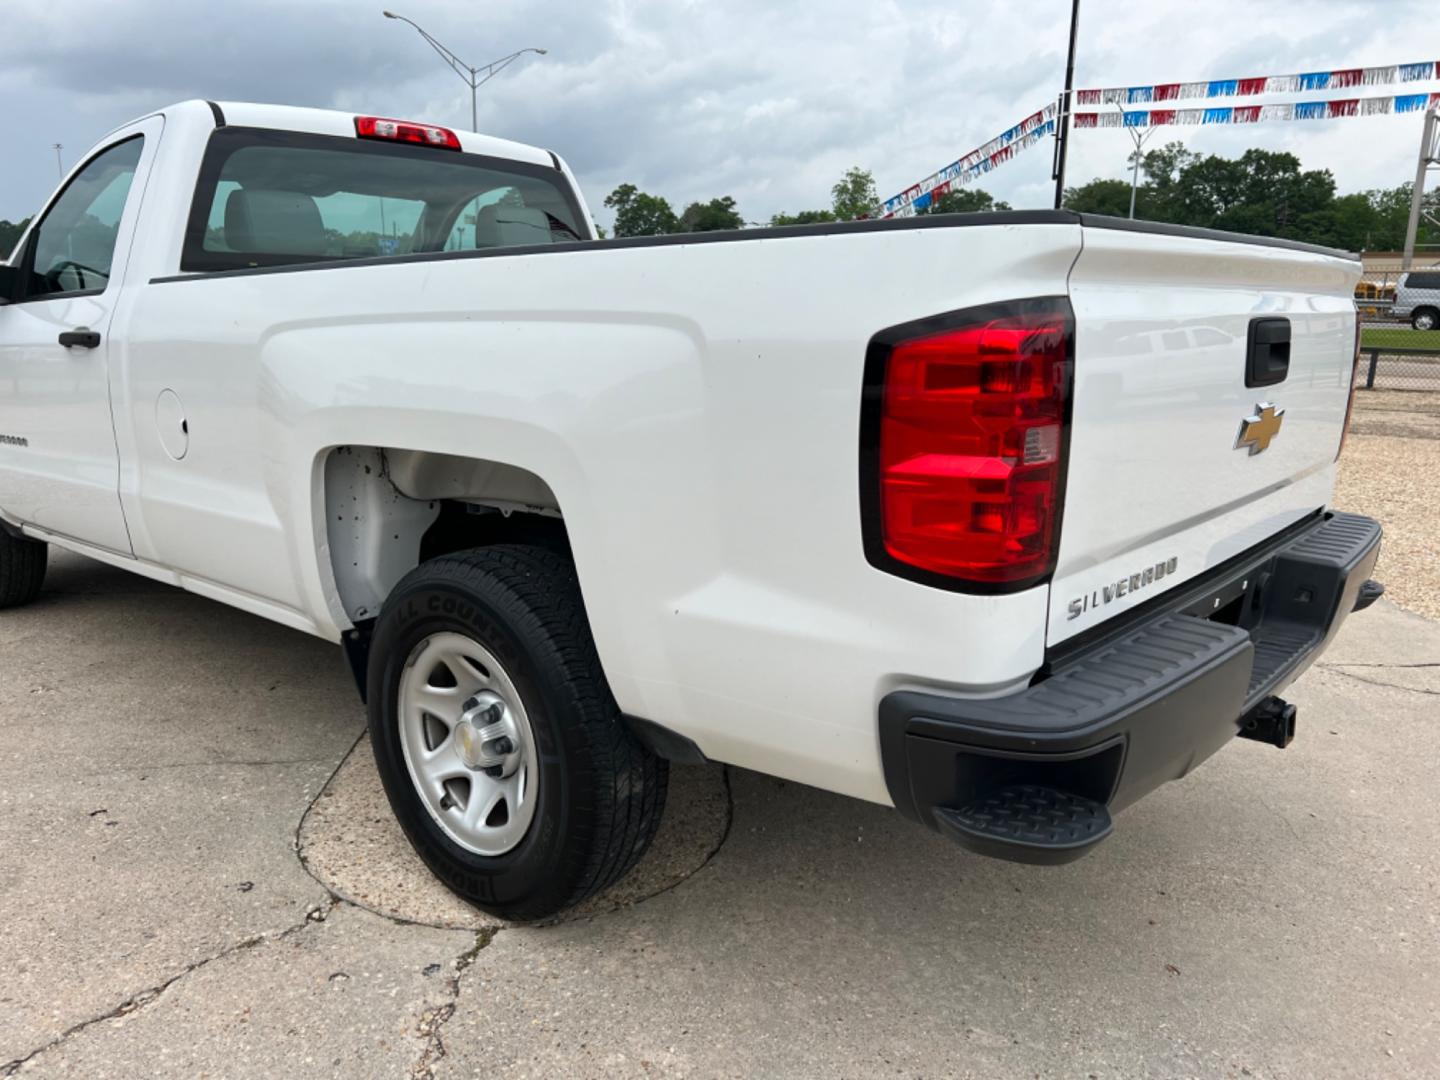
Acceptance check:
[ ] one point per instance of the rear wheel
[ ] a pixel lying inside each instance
(503, 754)
(1425, 319)
(22, 569)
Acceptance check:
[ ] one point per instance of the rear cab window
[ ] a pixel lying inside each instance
(279, 198)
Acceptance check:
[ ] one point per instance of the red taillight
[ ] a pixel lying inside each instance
(971, 440)
(378, 127)
(1354, 385)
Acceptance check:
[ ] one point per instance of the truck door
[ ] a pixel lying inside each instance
(59, 468)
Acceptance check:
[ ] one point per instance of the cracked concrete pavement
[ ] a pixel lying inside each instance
(1271, 915)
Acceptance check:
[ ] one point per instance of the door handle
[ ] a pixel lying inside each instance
(81, 337)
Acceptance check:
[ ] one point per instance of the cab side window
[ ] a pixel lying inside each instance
(73, 248)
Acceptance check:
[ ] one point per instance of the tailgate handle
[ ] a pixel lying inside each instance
(1267, 356)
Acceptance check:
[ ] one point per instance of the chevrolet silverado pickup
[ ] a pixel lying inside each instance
(1001, 519)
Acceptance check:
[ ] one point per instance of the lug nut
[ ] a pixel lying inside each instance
(492, 712)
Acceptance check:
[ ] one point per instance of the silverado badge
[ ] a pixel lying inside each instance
(1259, 430)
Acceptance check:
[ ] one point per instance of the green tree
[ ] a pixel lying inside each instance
(804, 217)
(1162, 168)
(1261, 192)
(639, 214)
(1105, 197)
(709, 217)
(1390, 213)
(1164, 164)
(1352, 223)
(854, 196)
(10, 233)
(964, 201)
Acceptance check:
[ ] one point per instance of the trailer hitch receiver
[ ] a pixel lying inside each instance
(1272, 721)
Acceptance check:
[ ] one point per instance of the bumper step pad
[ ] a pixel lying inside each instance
(1035, 775)
(1027, 823)
(1316, 582)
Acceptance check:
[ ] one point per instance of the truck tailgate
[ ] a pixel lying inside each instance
(1160, 487)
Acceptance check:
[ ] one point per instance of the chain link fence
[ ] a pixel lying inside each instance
(1394, 354)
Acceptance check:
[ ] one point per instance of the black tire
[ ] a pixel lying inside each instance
(22, 569)
(600, 792)
(1421, 315)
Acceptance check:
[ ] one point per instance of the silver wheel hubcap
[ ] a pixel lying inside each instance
(468, 743)
(1425, 322)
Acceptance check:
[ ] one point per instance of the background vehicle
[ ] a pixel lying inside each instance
(1373, 299)
(1417, 298)
(1002, 518)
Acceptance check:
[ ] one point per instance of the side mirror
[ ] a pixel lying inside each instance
(9, 283)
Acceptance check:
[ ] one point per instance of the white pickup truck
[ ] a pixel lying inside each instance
(1003, 519)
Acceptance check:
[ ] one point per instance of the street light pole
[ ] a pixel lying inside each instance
(1139, 142)
(57, 147)
(471, 75)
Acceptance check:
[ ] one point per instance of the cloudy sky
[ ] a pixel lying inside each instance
(763, 100)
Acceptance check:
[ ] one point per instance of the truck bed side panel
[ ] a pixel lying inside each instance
(694, 407)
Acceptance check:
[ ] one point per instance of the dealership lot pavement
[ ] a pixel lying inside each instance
(198, 878)
(1388, 471)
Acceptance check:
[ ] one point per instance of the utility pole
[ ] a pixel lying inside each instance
(57, 147)
(1429, 157)
(1062, 127)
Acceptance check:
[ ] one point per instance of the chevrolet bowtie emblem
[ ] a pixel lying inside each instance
(1259, 430)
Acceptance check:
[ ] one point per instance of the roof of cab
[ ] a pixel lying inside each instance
(334, 122)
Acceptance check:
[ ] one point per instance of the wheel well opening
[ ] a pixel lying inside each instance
(387, 510)
(463, 525)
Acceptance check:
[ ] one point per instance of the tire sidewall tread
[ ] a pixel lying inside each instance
(23, 563)
(600, 792)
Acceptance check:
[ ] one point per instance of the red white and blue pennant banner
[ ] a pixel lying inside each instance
(1029, 131)
(1254, 114)
(1339, 79)
(976, 163)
